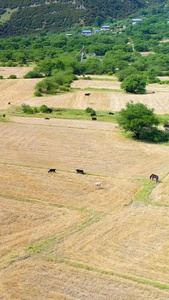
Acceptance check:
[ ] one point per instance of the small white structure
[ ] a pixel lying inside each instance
(86, 32)
(135, 21)
(98, 184)
(105, 27)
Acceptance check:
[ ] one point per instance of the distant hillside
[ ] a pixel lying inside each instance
(29, 16)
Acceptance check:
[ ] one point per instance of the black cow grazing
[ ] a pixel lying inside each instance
(4, 115)
(49, 110)
(47, 118)
(153, 176)
(94, 119)
(110, 113)
(52, 171)
(80, 171)
(9, 103)
(166, 125)
(93, 114)
(87, 94)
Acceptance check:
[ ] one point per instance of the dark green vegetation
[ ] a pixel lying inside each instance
(134, 84)
(142, 122)
(56, 55)
(30, 16)
(57, 58)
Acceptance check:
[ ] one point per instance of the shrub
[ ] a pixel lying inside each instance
(154, 80)
(37, 94)
(35, 110)
(64, 88)
(33, 74)
(90, 110)
(110, 73)
(47, 85)
(27, 109)
(1, 77)
(44, 108)
(154, 134)
(12, 76)
(87, 78)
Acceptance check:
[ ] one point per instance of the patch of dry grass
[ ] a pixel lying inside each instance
(49, 280)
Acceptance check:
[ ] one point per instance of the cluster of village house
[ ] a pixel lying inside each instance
(107, 28)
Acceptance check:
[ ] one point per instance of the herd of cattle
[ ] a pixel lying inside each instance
(99, 184)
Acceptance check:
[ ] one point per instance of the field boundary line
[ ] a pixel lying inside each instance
(37, 201)
(136, 279)
(99, 90)
(146, 190)
(45, 244)
(64, 126)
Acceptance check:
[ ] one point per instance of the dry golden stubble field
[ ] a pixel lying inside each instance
(68, 223)
(18, 91)
(35, 278)
(72, 220)
(18, 71)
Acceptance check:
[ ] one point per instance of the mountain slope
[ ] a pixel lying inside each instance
(29, 16)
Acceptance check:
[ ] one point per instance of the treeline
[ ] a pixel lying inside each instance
(38, 15)
(58, 57)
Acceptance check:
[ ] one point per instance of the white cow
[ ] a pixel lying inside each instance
(98, 184)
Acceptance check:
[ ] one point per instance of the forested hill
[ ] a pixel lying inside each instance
(19, 17)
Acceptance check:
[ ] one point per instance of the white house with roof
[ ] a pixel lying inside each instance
(86, 32)
(135, 21)
(105, 27)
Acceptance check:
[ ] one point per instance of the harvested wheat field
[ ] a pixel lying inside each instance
(62, 237)
(18, 71)
(19, 91)
(16, 91)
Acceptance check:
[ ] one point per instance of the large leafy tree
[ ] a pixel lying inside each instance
(135, 84)
(142, 121)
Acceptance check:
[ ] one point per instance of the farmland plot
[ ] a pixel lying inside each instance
(19, 91)
(63, 238)
(18, 71)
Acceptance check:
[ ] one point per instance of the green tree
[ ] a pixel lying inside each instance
(47, 86)
(140, 120)
(135, 84)
(44, 108)
(98, 21)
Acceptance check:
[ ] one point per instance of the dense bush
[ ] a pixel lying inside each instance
(34, 74)
(44, 109)
(47, 86)
(90, 110)
(27, 109)
(12, 76)
(37, 94)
